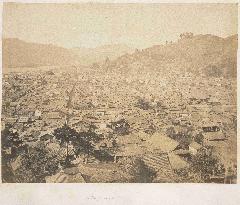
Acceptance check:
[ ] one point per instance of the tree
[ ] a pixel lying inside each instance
(143, 104)
(199, 138)
(120, 127)
(183, 139)
(183, 136)
(66, 135)
(36, 164)
(205, 163)
(170, 132)
(11, 146)
(6, 106)
(186, 175)
(107, 63)
(83, 142)
(213, 71)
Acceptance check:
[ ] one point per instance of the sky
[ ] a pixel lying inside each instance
(136, 25)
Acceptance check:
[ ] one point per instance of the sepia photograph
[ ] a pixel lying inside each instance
(119, 93)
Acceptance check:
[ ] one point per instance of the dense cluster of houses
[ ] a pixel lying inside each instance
(37, 103)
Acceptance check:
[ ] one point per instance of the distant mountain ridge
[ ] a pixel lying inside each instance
(18, 53)
(200, 54)
(89, 56)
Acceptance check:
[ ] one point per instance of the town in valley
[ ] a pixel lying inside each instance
(162, 114)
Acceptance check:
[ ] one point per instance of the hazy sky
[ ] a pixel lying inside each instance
(136, 25)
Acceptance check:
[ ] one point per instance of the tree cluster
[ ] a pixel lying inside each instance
(37, 162)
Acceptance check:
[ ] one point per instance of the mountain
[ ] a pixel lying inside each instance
(18, 53)
(99, 54)
(200, 54)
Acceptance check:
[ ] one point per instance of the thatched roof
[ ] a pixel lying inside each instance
(162, 142)
(177, 162)
(131, 150)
